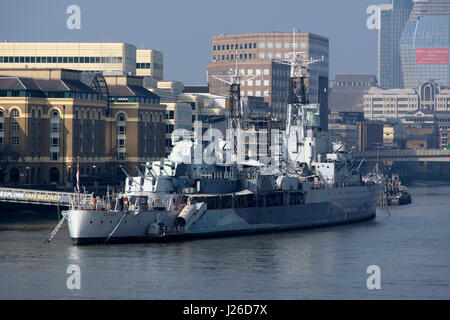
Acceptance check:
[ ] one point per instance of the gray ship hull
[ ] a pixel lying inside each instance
(325, 207)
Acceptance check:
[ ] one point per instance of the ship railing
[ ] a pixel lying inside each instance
(83, 201)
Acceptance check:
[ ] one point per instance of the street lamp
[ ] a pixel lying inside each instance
(70, 173)
(95, 175)
(28, 168)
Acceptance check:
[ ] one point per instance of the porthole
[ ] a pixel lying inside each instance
(101, 221)
(90, 222)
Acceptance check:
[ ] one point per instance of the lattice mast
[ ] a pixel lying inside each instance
(234, 79)
(298, 96)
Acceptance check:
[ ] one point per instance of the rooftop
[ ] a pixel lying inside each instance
(20, 83)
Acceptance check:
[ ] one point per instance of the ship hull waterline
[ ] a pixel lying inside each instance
(88, 227)
(211, 235)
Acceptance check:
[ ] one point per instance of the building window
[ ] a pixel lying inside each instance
(262, 45)
(15, 141)
(15, 127)
(55, 114)
(55, 127)
(121, 117)
(15, 113)
(55, 142)
(54, 156)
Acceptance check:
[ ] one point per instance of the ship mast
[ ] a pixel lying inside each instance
(298, 97)
(234, 79)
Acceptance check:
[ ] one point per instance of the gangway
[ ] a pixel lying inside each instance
(44, 197)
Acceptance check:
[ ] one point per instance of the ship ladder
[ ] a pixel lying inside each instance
(115, 228)
(58, 226)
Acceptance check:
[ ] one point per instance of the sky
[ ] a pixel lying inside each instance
(182, 29)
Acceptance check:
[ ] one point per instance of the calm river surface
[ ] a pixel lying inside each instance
(411, 247)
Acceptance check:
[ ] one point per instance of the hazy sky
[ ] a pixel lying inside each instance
(182, 29)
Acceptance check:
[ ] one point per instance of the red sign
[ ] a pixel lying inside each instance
(432, 55)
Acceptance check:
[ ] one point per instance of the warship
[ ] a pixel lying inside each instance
(307, 182)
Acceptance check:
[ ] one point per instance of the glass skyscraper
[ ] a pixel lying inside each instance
(425, 42)
(393, 18)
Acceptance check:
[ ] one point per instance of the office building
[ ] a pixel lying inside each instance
(149, 63)
(425, 42)
(393, 18)
(348, 90)
(113, 58)
(400, 103)
(370, 135)
(427, 104)
(258, 56)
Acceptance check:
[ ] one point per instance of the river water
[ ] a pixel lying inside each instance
(410, 244)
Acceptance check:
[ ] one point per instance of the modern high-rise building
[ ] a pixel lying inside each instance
(430, 8)
(393, 18)
(114, 57)
(425, 42)
(258, 57)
